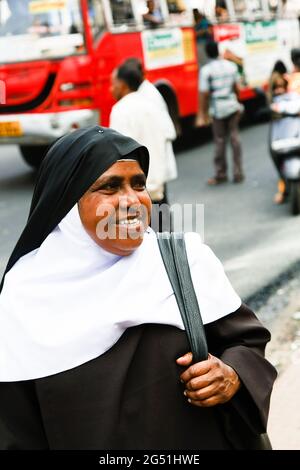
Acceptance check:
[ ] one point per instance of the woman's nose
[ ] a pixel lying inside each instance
(131, 195)
(129, 198)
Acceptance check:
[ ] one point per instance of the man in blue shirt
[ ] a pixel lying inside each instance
(218, 98)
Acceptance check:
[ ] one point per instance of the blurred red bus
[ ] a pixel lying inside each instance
(56, 59)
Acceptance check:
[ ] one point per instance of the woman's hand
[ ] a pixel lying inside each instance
(208, 383)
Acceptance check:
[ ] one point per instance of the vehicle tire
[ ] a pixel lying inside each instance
(295, 197)
(257, 109)
(33, 154)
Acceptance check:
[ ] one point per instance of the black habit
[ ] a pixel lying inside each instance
(131, 396)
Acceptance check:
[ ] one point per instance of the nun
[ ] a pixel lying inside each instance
(93, 351)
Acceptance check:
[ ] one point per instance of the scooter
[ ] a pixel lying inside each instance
(285, 147)
(291, 171)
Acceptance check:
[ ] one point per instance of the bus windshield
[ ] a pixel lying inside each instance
(40, 29)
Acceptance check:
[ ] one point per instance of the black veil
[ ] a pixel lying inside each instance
(70, 167)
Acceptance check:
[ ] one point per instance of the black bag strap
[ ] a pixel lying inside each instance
(173, 252)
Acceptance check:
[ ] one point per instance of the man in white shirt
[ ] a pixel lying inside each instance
(151, 93)
(137, 117)
(218, 97)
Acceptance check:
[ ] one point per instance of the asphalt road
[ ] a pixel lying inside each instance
(255, 239)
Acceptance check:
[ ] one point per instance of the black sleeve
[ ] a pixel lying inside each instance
(239, 339)
(21, 426)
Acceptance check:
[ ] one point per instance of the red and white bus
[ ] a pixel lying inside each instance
(56, 59)
(255, 33)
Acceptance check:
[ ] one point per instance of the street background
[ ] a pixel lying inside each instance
(257, 241)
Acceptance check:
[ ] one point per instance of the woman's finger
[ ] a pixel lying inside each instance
(185, 360)
(200, 382)
(201, 394)
(206, 403)
(196, 370)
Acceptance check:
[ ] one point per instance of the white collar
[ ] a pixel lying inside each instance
(70, 301)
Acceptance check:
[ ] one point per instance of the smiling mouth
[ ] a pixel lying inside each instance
(130, 222)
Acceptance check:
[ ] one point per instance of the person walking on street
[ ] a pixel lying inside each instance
(151, 93)
(278, 85)
(138, 118)
(294, 78)
(285, 93)
(219, 98)
(278, 80)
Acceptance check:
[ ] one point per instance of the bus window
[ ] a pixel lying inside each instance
(275, 6)
(35, 30)
(255, 7)
(288, 9)
(248, 9)
(221, 11)
(179, 14)
(176, 6)
(20, 17)
(152, 15)
(258, 9)
(240, 8)
(122, 12)
(96, 17)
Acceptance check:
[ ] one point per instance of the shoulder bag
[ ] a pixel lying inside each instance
(173, 252)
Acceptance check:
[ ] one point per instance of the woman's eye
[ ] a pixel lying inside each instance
(109, 187)
(139, 186)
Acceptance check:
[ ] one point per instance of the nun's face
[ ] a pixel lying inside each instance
(115, 211)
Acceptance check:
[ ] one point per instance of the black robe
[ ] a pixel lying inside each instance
(131, 397)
